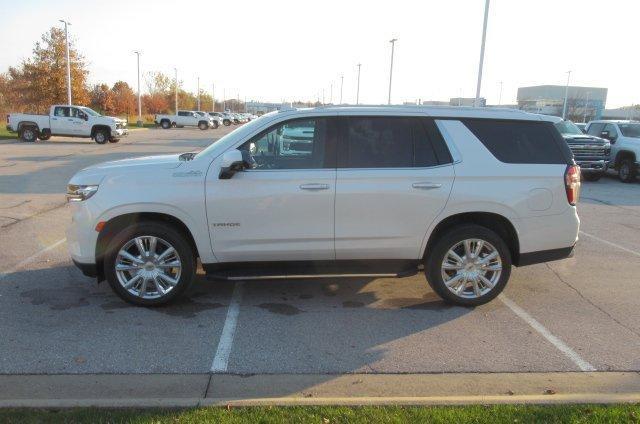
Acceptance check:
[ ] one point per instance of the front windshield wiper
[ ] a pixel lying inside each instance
(187, 156)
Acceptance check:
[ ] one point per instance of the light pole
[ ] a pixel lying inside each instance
(176, 88)
(224, 99)
(566, 96)
(500, 95)
(341, 84)
(66, 37)
(586, 105)
(358, 89)
(393, 44)
(476, 102)
(139, 123)
(331, 94)
(213, 97)
(198, 94)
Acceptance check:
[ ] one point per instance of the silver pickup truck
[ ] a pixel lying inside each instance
(591, 153)
(68, 121)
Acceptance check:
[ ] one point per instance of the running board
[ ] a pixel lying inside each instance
(311, 269)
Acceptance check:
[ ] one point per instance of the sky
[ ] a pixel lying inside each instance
(292, 50)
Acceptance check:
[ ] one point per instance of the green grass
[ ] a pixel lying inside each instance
(325, 415)
(5, 134)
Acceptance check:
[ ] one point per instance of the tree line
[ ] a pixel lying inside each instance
(40, 81)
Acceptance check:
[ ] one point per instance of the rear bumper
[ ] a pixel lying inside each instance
(541, 256)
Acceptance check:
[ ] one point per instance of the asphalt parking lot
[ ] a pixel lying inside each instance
(578, 314)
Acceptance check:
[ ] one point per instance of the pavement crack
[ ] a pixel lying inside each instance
(24, 202)
(206, 389)
(42, 212)
(589, 301)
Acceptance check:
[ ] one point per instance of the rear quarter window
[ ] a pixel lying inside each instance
(530, 142)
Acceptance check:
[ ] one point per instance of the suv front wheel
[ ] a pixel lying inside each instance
(468, 265)
(149, 264)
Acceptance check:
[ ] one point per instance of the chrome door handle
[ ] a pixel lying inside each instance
(426, 186)
(314, 186)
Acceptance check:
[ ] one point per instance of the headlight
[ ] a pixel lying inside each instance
(78, 193)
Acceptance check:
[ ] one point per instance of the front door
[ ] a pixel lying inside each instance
(80, 122)
(283, 208)
(394, 177)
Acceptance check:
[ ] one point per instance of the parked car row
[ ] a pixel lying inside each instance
(201, 119)
(68, 121)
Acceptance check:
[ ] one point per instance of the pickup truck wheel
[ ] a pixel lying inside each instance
(149, 264)
(468, 265)
(203, 125)
(592, 176)
(28, 134)
(100, 136)
(165, 125)
(627, 171)
(215, 125)
(226, 122)
(45, 135)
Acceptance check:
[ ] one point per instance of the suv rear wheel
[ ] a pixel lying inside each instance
(468, 265)
(165, 124)
(627, 171)
(149, 264)
(203, 125)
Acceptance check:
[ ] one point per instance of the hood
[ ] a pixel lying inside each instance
(115, 119)
(583, 139)
(95, 173)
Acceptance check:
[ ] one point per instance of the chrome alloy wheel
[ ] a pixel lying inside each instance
(148, 267)
(471, 268)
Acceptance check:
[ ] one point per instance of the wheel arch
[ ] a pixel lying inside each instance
(97, 127)
(119, 222)
(624, 154)
(496, 222)
(28, 123)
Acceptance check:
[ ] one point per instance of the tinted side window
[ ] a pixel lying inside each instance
(379, 142)
(518, 141)
(61, 111)
(183, 113)
(296, 144)
(595, 129)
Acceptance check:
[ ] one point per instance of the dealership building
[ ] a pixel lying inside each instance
(583, 103)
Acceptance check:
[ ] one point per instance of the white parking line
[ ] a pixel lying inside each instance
(22, 263)
(559, 344)
(221, 360)
(633, 252)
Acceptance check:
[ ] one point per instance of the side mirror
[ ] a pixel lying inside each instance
(608, 136)
(235, 161)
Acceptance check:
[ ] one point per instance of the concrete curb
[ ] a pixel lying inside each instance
(193, 390)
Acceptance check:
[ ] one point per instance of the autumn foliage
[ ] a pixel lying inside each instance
(40, 81)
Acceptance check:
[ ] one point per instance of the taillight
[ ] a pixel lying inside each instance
(572, 183)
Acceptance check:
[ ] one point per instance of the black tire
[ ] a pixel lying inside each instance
(627, 171)
(226, 122)
(113, 140)
(436, 255)
(203, 125)
(164, 232)
(28, 133)
(165, 124)
(101, 136)
(592, 176)
(215, 125)
(45, 135)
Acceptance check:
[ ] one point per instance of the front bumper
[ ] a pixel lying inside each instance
(593, 165)
(120, 132)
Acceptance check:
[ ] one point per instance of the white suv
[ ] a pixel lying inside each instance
(367, 191)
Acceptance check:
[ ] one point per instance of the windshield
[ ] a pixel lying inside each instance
(568, 128)
(247, 127)
(90, 111)
(630, 130)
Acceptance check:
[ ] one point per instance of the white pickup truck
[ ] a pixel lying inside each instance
(69, 121)
(184, 118)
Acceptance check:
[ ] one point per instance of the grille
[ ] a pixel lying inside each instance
(588, 152)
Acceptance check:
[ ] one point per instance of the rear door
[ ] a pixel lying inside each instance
(61, 121)
(394, 176)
